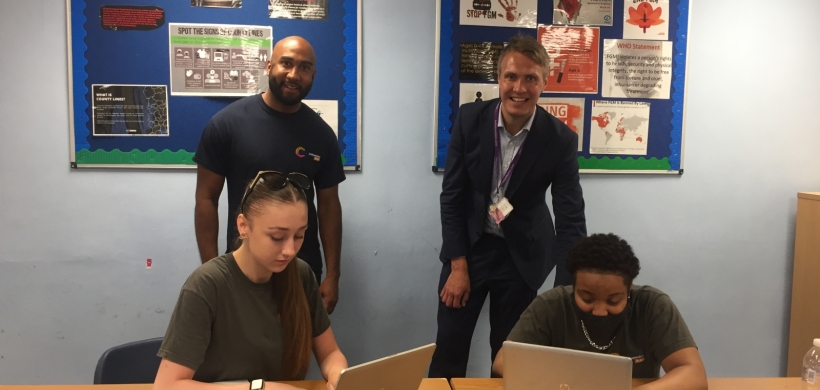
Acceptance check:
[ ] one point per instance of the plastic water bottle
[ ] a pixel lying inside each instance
(811, 368)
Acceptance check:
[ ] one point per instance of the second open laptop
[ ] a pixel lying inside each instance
(402, 371)
(528, 367)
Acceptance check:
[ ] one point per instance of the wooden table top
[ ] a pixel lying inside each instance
(465, 384)
(426, 384)
(714, 383)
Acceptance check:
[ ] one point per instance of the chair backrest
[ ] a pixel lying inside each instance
(135, 362)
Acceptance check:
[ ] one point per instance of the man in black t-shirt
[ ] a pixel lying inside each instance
(274, 131)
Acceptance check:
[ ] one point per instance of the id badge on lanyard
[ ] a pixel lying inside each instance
(501, 208)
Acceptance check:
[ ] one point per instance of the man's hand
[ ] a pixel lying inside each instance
(206, 214)
(329, 211)
(457, 289)
(330, 293)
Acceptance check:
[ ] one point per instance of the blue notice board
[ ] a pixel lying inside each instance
(120, 67)
(622, 128)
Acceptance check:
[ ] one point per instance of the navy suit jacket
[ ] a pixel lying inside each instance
(548, 158)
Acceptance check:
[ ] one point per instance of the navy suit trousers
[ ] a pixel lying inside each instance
(492, 272)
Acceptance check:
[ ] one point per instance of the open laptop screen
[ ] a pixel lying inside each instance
(403, 371)
(529, 367)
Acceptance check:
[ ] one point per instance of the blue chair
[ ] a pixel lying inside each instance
(135, 362)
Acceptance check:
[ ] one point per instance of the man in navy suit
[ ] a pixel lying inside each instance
(498, 235)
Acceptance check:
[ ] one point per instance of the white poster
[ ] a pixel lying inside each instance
(298, 9)
(578, 12)
(471, 92)
(499, 13)
(328, 110)
(567, 110)
(646, 19)
(636, 69)
(218, 59)
(619, 128)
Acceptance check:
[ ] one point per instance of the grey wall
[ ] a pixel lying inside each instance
(719, 239)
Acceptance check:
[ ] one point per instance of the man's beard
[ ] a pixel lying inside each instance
(276, 89)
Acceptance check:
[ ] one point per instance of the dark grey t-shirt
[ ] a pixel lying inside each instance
(652, 330)
(226, 327)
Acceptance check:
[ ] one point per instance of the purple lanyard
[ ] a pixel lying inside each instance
(497, 156)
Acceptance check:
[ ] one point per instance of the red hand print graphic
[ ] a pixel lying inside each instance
(570, 7)
(510, 6)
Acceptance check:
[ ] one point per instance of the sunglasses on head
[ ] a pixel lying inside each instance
(276, 180)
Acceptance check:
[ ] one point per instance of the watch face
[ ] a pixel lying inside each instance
(257, 384)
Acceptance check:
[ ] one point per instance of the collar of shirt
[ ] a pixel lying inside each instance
(524, 129)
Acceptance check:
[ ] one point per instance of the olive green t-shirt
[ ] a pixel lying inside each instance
(226, 327)
(652, 330)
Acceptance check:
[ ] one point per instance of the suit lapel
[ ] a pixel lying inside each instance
(533, 147)
(486, 127)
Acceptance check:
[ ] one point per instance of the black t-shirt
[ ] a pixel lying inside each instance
(248, 136)
(653, 328)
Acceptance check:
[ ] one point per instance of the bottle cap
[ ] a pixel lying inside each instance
(817, 343)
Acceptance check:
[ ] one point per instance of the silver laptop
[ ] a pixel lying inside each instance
(403, 371)
(531, 367)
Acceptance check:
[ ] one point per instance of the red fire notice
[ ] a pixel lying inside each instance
(131, 17)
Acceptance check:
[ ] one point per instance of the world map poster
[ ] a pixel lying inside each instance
(619, 127)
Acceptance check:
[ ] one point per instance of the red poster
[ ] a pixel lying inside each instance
(567, 110)
(574, 58)
(131, 17)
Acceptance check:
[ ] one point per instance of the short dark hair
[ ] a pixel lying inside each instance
(529, 47)
(604, 253)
